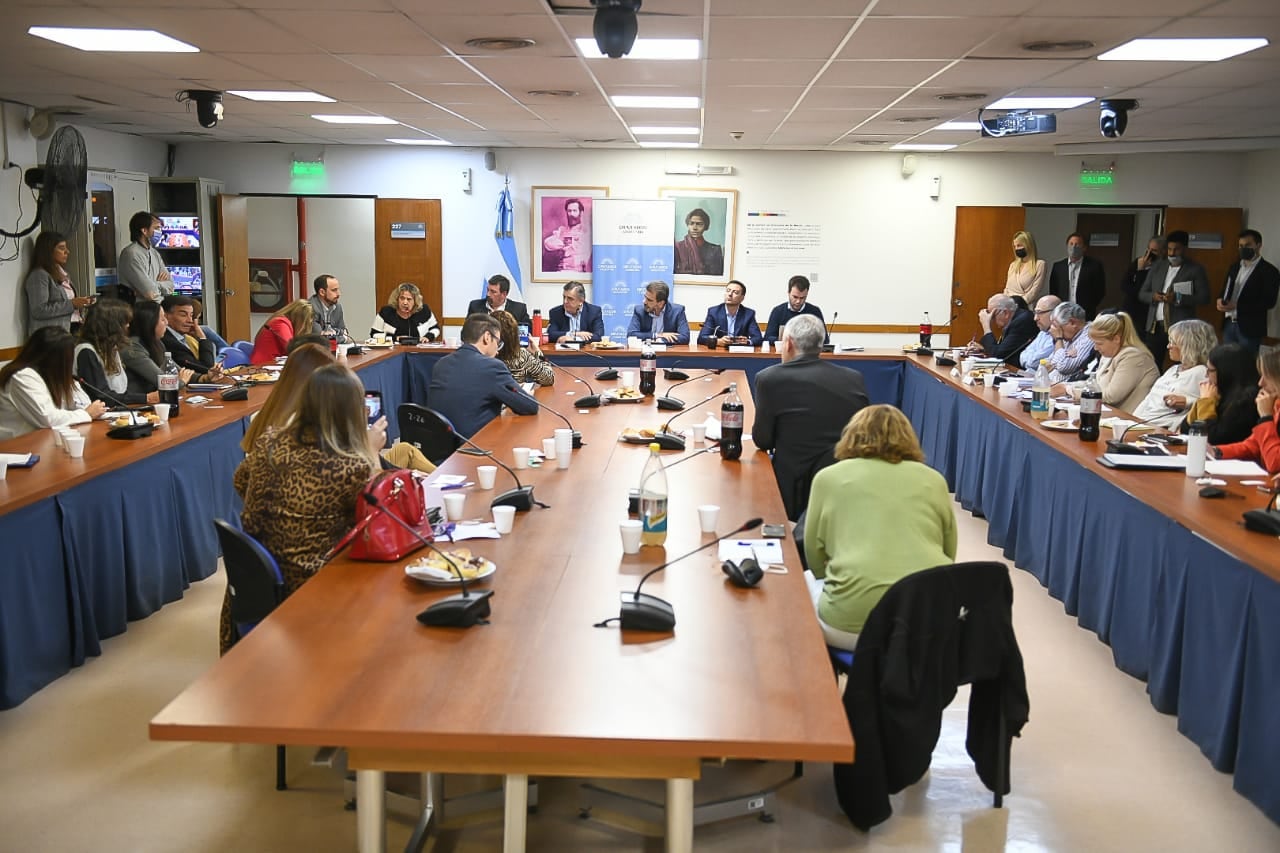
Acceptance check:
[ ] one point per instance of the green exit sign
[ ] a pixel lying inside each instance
(301, 168)
(1097, 179)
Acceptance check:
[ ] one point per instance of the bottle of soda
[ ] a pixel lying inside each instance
(648, 371)
(653, 500)
(537, 325)
(1040, 392)
(1091, 411)
(731, 415)
(168, 383)
(926, 332)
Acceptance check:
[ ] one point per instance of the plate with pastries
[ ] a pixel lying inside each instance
(435, 570)
(606, 344)
(638, 435)
(137, 418)
(623, 395)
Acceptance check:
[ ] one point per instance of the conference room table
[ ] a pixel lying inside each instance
(543, 689)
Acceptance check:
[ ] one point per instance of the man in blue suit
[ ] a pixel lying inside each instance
(471, 385)
(658, 319)
(732, 322)
(577, 319)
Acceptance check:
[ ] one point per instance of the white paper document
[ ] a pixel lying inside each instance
(766, 551)
(1234, 468)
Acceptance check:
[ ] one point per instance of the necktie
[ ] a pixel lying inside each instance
(192, 344)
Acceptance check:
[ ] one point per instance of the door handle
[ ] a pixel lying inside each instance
(229, 292)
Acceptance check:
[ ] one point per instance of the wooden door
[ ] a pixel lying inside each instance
(983, 251)
(1226, 222)
(233, 267)
(1115, 255)
(416, 260)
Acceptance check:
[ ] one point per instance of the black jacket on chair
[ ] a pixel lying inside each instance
(932, 631)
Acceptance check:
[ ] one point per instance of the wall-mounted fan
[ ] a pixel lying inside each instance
(61, 184)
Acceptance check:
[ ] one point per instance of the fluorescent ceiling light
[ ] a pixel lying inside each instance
(1183, 50)
(657, 144)
(647, 49)
(958, 125)
(921, 146)
(656, 102)
(257, 95)
(116, 41)
(1065, 103)
(420, 141)
(331, 119)
(666, 131)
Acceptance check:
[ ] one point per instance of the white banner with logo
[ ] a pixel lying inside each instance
(633, 243)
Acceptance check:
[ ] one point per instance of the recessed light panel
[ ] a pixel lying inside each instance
(113, 41)
(647, 49)
(1057, 103)
(920, 146)
(656, 102)
(656, 144)
(1183, 50)
(665, 131)
(358, 119)
(958, 125)
(420, 141)
(282, 97)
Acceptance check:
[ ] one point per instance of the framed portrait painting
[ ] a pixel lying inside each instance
(270, 284)
(561, 232)
(706, 222)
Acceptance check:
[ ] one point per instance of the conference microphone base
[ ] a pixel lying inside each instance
(607, 373)
(590, 401)
(1121, 447)
(131, 431)
(670, 403)
(644, 612)
(828, 347)
(668, 441)
(458, 611)
(674, 375)
(577, 440)
(521, 498)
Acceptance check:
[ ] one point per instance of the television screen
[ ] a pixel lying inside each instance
(180, 232)
(187, 279)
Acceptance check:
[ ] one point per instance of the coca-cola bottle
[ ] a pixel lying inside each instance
(731, 416)
(1091, 411)
(648, 371)
(926, 332)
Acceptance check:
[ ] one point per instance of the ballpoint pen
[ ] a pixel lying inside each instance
(456, 486)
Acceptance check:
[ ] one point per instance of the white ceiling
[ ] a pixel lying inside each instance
(787, 74)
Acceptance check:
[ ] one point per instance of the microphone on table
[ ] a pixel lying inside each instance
(669, 403)
(591, 400)
(674, 440)
(641, 612)
(670, 373)
(606, 372)
(131, 430)
(830, 347)
(521, 497)
(577, 436)
(1117, 445)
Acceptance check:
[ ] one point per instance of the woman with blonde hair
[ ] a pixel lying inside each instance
(286, 393)
(300, 482)
(875, 516)
(1190, 342)
(1128, 371)
(1263, 444)
(1026, 276)
(272, 340)
(406, 315)
(527, 364)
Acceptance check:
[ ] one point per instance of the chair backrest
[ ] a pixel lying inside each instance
(427, 430)
(254, 580)
(232, 357)
(245, 347)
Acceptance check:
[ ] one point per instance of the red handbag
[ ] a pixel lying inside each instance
(389, 511)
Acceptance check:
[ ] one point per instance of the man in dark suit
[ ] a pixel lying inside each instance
(1252, 286)
(657, 318)
(1016, 325)
(1079, 278)
(576, 319)
(471, 385)
(190, 347)
(730, 322)
(1173, 289)
(496, 300)
(802, 405)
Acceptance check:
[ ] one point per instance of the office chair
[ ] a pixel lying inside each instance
(232, 357)
(256, 587)
(427, 430)
(245, 347)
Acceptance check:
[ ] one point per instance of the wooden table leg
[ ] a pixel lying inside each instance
(515, 812)
(371, 811)
(679, 816)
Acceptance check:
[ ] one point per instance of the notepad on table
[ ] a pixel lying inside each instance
(765, 551)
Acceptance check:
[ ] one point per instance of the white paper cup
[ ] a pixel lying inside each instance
(1072, 410)
(455, 504)
(485, 475)
(633, 343)
(67, 432)
(989, 379)
(1118, 428)
(631, 530)
(163, 410)
(564, 447)
(58, 435)
(549, 448)
(504, 518)
(455, 342)
(764, 346)
(521, 456)
(75, 445)
(626, 379)
(4, 470)
(708, 516)
(699, 433)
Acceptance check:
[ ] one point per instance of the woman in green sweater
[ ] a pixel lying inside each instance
(875, 516)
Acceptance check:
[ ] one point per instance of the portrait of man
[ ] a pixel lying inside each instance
(695, 254)
(566, 237)
(704, 233)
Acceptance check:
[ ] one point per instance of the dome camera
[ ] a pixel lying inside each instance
(208, 105)
(1114, 117)
(615, 26)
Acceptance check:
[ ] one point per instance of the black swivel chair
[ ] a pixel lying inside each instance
(256, 587)
(427, 430)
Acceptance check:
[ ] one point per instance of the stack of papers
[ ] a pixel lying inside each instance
(18, 460)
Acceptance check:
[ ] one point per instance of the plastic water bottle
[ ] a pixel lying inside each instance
(1091, 411)
(653, 500)
(731, 417)
(1040, 392)
(1197, 447)
(926, 332)
(168, 383)
(648, 371)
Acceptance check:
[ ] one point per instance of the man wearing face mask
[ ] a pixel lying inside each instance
(1173, 289)
(1252, 286)
(1079, 278)
(1136, 275)
(141, 269)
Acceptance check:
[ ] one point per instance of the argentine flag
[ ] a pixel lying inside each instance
(504, 260)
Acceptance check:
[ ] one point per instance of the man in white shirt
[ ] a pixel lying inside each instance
(141, 269)
(1174, 287)
(1250, 292)
(1041, 345)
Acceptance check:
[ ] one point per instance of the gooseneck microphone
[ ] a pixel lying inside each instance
(673, 375)
(1117, 445)
(828, 346)
(577, 436)
(521, 497)
(606, 372)
(131, 430)
(673, 440)
(641, 612)
(590, 400)
(669, 403)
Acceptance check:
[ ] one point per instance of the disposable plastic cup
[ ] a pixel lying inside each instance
(504, 518)
(486, 474)
(631, 530)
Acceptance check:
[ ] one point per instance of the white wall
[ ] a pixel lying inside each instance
(340, 242)
(1262, 211)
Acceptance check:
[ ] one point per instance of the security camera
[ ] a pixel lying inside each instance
(208, 105)
(736, 134)
(1113, 117)
(615, 26)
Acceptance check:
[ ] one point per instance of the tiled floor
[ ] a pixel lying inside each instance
(1097, 768)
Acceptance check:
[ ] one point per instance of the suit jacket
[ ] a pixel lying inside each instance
(1183, 307)
(717, 325)
(1256, 299)
(176, 344)
(1091, 286)
(591, 320)
(470, 389)
(1022, 330)
(673, 320)
(516, 309)
(801, 407)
